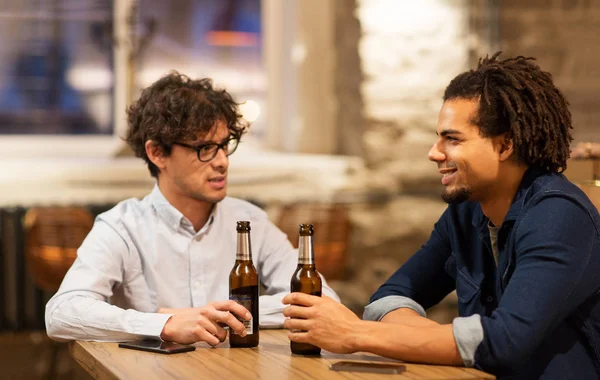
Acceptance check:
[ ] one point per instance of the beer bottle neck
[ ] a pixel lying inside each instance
(306, 253)
(243, 252)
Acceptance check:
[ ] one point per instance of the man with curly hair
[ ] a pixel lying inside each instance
(159, 267)
(518, 242)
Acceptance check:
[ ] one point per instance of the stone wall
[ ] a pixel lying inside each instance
(563, 36)
(408, 53)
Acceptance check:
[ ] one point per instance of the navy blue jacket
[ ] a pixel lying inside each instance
(540, 306)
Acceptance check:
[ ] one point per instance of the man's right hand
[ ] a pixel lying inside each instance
(201, 324)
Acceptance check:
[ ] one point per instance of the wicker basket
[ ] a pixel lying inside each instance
(53, 235)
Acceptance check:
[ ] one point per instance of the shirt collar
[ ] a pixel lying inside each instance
(173, 217)
(164, 209)
(518, 202)
(531, 174)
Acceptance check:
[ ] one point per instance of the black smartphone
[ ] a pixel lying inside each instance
(389, 368)
(156, 346)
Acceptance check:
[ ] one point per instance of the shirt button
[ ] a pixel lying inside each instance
(197, 284)
(490, 299)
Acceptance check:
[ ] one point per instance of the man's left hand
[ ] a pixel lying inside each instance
(320, 321)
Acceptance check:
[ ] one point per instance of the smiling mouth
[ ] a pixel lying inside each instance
(447, 176)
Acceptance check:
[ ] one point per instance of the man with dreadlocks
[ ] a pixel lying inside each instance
(518, 242)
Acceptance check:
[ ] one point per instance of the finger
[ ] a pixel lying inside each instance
(297, 312)
(299, 337)
(233, 307)
(208, 325)
(212, 327)
(296, 324)
(202, 335)
(300, 299)
(230, 320)
(219, 331)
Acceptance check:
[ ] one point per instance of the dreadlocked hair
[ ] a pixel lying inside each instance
(517, 98)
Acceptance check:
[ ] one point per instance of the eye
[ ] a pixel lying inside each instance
(208, 148)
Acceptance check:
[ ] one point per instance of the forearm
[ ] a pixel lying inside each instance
(81, 317)
(433, 344)
(408, 317)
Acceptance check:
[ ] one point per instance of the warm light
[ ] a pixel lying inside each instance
(250, 110)
(298, 53)
(230, 38)
(87, 78)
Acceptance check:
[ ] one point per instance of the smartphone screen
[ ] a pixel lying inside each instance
(157, 346)
(389, 368)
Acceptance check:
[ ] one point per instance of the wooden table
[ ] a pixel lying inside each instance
(270, 360)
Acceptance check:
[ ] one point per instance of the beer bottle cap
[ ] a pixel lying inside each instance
(307, 230)
(243, 226)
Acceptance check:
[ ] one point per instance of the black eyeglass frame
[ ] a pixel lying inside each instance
(222, 145)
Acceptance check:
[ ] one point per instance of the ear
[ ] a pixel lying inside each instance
(506, 147)
(155, 154)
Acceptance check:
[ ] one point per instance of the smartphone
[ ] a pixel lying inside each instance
(389, 368)
(156, 346)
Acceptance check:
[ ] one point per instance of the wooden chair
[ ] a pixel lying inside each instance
(332, 233)
(52, 237)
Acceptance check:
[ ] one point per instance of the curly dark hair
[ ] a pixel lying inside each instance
(518, 98)
(177, 108)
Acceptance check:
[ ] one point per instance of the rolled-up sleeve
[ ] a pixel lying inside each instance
(376, 310)
(468, 334)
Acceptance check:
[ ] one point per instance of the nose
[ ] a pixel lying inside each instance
(221, 160)
(435, 154)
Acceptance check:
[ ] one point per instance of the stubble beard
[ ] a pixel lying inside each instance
(209, 199)
(460, 195)
(200, 195)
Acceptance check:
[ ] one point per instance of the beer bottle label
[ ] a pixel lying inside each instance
(246, 301)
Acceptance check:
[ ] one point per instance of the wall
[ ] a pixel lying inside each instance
(563, 36)
(408, 52)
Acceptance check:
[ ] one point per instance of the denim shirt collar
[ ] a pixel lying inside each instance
(520, 196)
(531, 174)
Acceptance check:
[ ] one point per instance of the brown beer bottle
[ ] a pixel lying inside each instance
(306, 279)
(243, 288)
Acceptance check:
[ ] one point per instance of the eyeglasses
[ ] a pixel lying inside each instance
(207, 152)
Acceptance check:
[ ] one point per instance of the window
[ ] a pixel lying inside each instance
(68, 77)
(219, 39)
(56, 77)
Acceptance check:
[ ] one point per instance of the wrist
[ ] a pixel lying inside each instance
(356, 339)
(165, 334)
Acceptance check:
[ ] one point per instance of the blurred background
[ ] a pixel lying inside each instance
(342, 95)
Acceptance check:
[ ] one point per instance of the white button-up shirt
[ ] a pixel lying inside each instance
(144, 254)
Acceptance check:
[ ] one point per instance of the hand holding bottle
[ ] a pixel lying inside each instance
(320, 322)
(201, 324)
